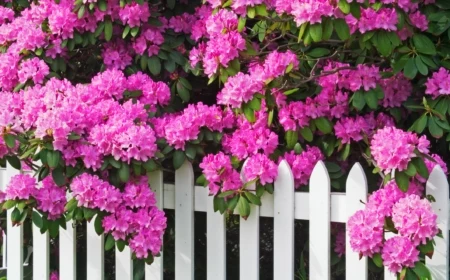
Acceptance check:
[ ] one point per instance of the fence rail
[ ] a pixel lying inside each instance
(319, 206)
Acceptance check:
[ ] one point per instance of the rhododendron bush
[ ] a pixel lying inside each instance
(97, 94)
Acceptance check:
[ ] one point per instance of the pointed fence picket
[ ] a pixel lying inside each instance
(319, 206)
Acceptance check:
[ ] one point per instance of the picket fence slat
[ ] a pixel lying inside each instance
(437, 186)
(356, 188)
(155, 271)
(124, 264)
(249, 245)
(283, 248)
(95, 253)
(215, 243)
(41, 254)
(14, 257)
(319, 224)
(184, 222)
(68, 252)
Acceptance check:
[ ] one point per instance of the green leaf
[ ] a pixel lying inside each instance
(421, 271)
(169, 65)
(183, 92)
(423, 69)
(358, 100)
(410, 70)
(201, 180)
(98, 224)
(315, 31)
(14, 162)
(58, 176)
(71, 205)
(382, 43)
(241, 24)
(150, 165)
(124, 172)
(53, 158)
(306, 133)
(324, 125)
(291, 91)
(249, 114)
(134, 31)
(420, 167)
(102, 6)
(435, 130)
(411, 169)
(402, 180)
(125, 32)
(327, 28)
(317, 52)
(9, 204)
(110, 242)
(377, 260)
(10, 140)
(178, 159)
(219, 204)
(88, 213)
(81, 11)
(15, 216)
(108, 30)
(291, 137)
(371, 99)
(243, 208)
(251, 12)
(232, 203)
(423, 44)
(53, 228)
(427, 249)
(191, 151)
(37, 219)
(120, 245)
(154, 65)
(253, 198)
(344, 6)
(420, 124)
(255, 103)
(342, 29)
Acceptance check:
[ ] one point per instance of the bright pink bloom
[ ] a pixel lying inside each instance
(366, 232)
(399, 252)
(260, 167)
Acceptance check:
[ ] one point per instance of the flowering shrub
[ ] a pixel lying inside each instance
(95, 95)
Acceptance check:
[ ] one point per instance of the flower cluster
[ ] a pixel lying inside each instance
(393, 149)
(50, 198)
(303, 164)
(219, 173)
(411, 216)
(439, 83)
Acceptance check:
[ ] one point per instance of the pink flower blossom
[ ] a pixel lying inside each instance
(303, 164)
(365, 231)
(414, 218)
(21, 186)
(399, 252)
(260, 167)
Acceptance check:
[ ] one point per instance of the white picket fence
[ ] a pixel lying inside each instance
(319, 206)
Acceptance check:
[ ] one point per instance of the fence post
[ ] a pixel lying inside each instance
(95, 253)
(14, 237)
(319, 223)
(249, 241)
(437, 186)
(215, 242)
(68, 249)
(155, 270)
(356, 195)
(184, 222)
(283, 214)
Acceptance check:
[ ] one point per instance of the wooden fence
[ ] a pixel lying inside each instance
(320, 206)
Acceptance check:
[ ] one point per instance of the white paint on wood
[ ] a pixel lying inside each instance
(249, 245)
(14, 254)
(387, 274)
(155, 271)
(215, 243)
(184, 222)
(319, 224)
(41, 254)
(95, 254)
(283, 246)
(437, 186)
(124, 264)
(356, 268)
(67, 252)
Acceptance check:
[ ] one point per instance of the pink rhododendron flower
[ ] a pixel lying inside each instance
(51, 199)
(219, 173)
(439, 83)
(303, 164)
(414, 218)
(366, 233)
(35, 69)
(21, 186)
(399, 252)
(260, 167)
